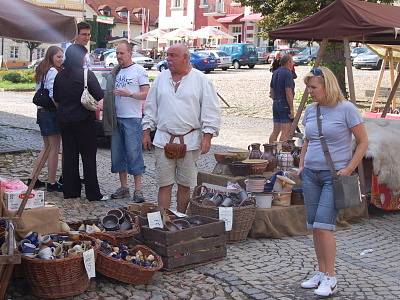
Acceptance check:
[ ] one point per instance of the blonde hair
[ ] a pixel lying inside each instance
(332, 90)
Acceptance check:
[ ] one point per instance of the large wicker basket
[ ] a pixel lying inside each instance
(57, 278)
(125, 271)
(243, 218)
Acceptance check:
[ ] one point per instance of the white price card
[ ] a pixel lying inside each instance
(155, 220)
(178, 214)
(226, 214)
(90, 263)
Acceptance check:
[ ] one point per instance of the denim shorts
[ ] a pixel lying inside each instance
(318, 199)
(126, 147)
(281, 111)
(47, 121)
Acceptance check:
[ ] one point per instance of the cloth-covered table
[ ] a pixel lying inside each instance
(280, 221)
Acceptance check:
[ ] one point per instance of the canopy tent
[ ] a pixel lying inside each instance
(152, 35)
(25, 21)
(359, 21)
(210, 32)
(178, 34)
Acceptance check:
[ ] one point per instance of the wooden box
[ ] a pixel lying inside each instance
(198, 244)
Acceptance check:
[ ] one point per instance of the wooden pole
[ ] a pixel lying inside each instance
(302, 104)
(350, 78)
(391, 95)
(391, 66)
(378, 84)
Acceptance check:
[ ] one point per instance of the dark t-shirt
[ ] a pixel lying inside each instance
(282, 78)
(67, 92)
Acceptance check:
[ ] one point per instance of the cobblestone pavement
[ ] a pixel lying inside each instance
(255, 269)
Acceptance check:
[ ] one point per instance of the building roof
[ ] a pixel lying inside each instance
(131, 5)
(229, 18)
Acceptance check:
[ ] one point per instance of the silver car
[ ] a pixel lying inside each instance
(224, 60)
(368, 59)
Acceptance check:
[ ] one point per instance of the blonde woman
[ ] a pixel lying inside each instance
(46, 71)
(340, 121)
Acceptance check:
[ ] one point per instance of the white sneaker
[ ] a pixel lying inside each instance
(327, 287)
(313, 282)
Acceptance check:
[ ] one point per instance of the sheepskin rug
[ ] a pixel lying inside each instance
(384, 148)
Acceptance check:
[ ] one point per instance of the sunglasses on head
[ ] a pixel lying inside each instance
(317, 72)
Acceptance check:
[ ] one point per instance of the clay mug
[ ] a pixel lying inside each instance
(46, 240)
(33, 237)
(72, 252)
(45, 253)
(243, 195)
(254, 152)
(58, 252)
(227, 202)
(28, 248)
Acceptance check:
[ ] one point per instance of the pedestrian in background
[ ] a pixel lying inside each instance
(46, 72)
(282, 93)
(77, 125)
(182, 102)
(127, 88)
(340, 120)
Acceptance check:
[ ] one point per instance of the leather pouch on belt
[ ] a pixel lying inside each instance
(174, 150)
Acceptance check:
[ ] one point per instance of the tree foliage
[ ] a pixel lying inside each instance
(100, 32)
(278, 13)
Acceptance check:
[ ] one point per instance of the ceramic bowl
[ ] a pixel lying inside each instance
(225, 157)
(118, 213)
(240, 155)
(181, 224)
(239, 168)
(110, 223)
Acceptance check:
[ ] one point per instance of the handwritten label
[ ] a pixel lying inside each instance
(155, 220)
(90, 263)
(226, 214)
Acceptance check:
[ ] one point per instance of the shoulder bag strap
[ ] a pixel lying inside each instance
(85, 75)
(324, 145)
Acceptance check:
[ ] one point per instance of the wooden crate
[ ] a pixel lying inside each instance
(189, 246)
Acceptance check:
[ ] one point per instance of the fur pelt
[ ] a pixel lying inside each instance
(384, 148)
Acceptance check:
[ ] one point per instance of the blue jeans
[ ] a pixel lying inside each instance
(126, 147)
(318, 199)
(47, 121)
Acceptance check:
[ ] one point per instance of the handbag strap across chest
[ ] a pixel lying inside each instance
(324, 145)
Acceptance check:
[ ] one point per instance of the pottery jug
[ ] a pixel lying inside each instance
(285, 160)
(255, 152)
(270, 155)
(288, 146)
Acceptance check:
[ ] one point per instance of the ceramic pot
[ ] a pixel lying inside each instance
(255, 151)
(255, 184)
(285, 160)
(264, 200)
(288, 146)
(270, 155)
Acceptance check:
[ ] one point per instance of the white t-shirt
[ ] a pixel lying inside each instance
(130, 78)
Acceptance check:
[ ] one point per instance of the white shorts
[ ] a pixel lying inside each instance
(182, 171)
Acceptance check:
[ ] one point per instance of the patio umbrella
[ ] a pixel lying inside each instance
(210, 32)
(178, 34)
(26, 21)
(152, 35)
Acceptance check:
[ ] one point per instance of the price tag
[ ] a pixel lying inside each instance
(226, 214)
(155, 220)
(90, 264)
(178, 214)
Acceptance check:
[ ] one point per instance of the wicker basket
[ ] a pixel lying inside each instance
(243, 218)
(115, 237)
(125, 271)
(57, 278)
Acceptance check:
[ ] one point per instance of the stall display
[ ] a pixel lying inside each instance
(132, 265)
(55, 268)
(193, 240)
(243, 210)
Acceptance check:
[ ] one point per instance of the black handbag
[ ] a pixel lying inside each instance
(42, 98)
(346, 189)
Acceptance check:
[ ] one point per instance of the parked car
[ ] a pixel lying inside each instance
(272, 55)
(305, 56)
(241, 54)
(263, 55)
(111, 60)
(368, 59)
(200, 61)
(224, 61)
(357, 51)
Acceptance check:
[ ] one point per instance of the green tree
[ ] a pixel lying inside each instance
(100, 32)
(32, 46)
(278, 13)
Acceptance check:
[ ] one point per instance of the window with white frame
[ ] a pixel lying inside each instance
(125, 33)
(203, 2)
(219, 5)
(40, 52)
(14, 52)
(176, 3)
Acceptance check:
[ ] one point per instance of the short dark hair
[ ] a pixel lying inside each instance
(74, 56)
(285, 59)
(83, 25)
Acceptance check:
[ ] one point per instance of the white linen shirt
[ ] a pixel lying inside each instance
(194, 105)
